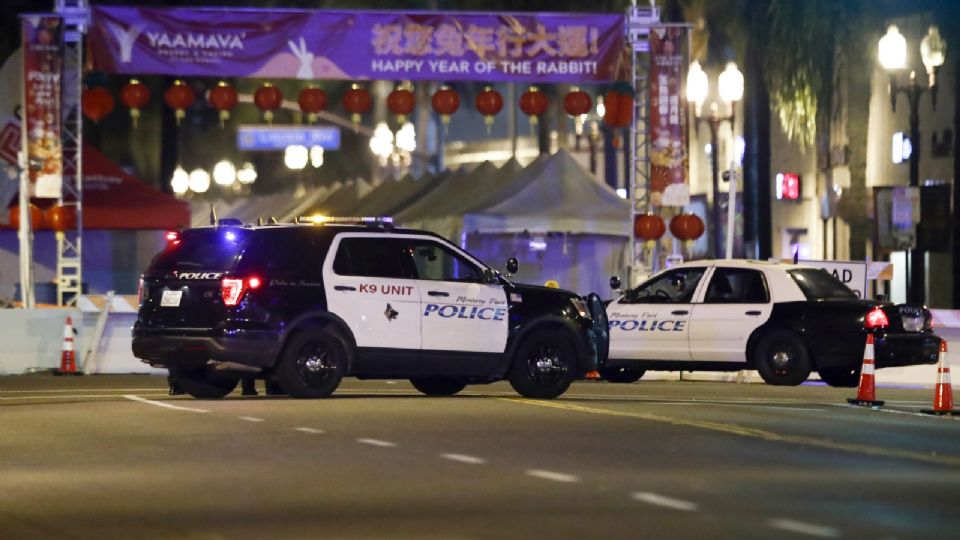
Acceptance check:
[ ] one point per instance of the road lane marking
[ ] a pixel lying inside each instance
(462, 458)
(551, 475)
(376, 442)
(308, 430)
(754, 433)
(799, 527)
(85, 396)
(162, 404)
(250, 418)
(660, 500)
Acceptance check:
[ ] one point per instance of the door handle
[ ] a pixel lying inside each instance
(754, 313)
(343, 288)
(679, 312)
(438, 293)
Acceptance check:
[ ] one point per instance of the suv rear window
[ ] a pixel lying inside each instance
(210, 250)
(818, 284)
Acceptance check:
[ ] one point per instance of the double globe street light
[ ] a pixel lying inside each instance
(892, 53)
(730, 87)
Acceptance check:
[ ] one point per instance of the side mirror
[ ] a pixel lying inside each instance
(488, 276)
(513, 265)
(615, 283)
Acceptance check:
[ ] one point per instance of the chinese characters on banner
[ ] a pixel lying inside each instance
(42, 69)
(669, 159)
(304, 44)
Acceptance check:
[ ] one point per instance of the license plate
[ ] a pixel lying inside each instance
(170, 298)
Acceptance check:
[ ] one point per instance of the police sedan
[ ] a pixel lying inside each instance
(784, 320)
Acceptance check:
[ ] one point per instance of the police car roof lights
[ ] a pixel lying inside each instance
(320, 219)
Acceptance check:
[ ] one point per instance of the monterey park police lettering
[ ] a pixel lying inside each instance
(648, 325)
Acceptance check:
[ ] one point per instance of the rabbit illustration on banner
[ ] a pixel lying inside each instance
(305, 57)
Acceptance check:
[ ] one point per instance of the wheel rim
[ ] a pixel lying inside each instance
(781, 359)
(315, 364)
(545, 364)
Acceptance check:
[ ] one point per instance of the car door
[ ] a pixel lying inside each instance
(651, 321)
(463, 319)
(736, 302)
(367, 285)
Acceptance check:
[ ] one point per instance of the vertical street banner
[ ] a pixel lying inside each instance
(42, 73)
(669, 157)
(575, 48)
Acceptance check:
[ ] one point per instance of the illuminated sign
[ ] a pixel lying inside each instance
(788, 187)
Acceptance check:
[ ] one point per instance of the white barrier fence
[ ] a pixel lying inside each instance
(31, 340)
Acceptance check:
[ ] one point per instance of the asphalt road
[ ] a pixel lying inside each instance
(115, 457)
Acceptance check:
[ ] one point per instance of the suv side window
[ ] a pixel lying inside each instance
(280, 250)
(737, 286)
(369, 257)
(436, 262)
(673, 287)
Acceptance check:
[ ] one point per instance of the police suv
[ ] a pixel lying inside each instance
(307, 304)
(783, 320)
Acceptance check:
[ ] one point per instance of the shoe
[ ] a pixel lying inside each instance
(175, 390)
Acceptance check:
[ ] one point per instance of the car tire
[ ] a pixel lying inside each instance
(621, 375)
(544, 365)
(782, 358)
(205, 383)
(438, 386)
(840, 377)
(312, 365)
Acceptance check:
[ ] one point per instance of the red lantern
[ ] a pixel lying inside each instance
(179, 97)
(489, 102)
(533, 103)
(223, 98)
(36, 216)
(625, 110)
(135, 95)
(648, 227)
(268, 98)
(60, 218)
(686, 227)
(356, 101)
(96, 103)
(401, 102)
(577, 102)
(445, 102)
(618, 105)
(312, 100)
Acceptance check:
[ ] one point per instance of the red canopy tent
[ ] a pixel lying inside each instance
(114, 199)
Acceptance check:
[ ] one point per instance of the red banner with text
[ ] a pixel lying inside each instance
(42, 74)
(669, 157)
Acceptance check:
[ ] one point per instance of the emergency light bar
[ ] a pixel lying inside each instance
(357, 220)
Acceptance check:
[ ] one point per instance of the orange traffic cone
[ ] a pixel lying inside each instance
(866, 394)
(943, 394)
(68, 358)
(592, 375)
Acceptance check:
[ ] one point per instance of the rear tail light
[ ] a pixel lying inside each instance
(876, 318)
(232, 289)
(173, 238)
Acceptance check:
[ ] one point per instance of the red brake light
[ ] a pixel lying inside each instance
(173, 236)
(231, 290)
(876, 318)
(254, 282)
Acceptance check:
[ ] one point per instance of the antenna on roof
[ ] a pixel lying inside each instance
(259, 221)
(213, 215)
(273, 220)
(796, 256)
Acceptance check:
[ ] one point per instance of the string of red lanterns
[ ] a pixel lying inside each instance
(223, 98)
(534, 103)
(401, 102)
(312, 101)
(268, 98)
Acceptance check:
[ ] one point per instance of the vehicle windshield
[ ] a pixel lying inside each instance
(818, 284)
(210, 250)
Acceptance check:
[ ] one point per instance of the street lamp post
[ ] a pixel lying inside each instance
(730, 86)
(892, 53)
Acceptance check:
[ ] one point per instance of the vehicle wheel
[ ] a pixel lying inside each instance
(437, 386)
(840, 377)
(205, 383)
(782, 359)
(621, 374)
(544, 366)
(312, 365)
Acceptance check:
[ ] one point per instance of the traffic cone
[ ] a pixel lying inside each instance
(68, 358)
(943, 393)
(592, 375)
(866, 395)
